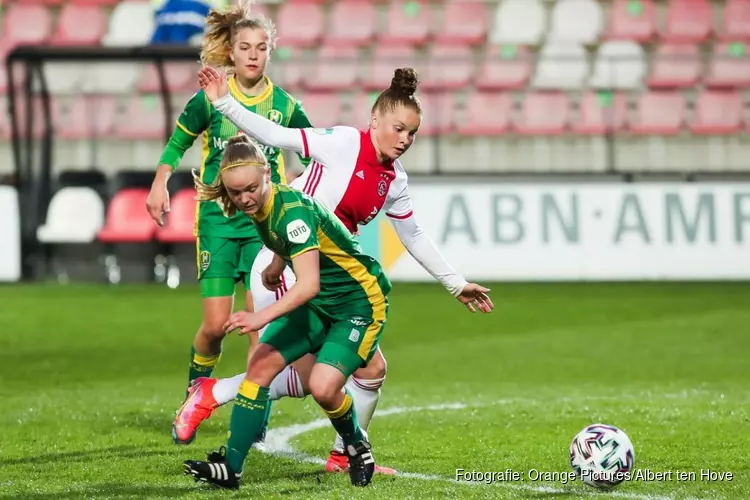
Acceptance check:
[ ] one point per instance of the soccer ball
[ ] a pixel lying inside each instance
(602, 456)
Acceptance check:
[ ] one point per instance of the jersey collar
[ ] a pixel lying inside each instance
(368, 154)
(247, 100)
(267, 207)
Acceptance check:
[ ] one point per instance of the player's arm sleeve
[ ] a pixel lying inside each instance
(191, 123)
(299, 119)
(299, 230)
(420, 246)
(310, 143)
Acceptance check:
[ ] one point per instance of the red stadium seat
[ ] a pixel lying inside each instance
(27, 24)
(300, 24)
(127, 220)
(717, 112)
(505, 67)
(85, 117)
(543, 113)
(736, 20)
(287, 69)
(675, 66)
(96, 2)
(464, 22)
(335, 69)
(378, 74)
(180, 221)
(601, 112)
(688, 21)
(486, 114)
(438, 111)
(659, 113)
(632, 20)
(448, 67)
(40, 2)
(322, 108)
(352, 22)
(180, 77)
(143, 119)
(729, 66)
(408, 23)
(71, 30)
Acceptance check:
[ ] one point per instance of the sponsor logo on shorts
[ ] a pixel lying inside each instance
(297, 231)
(359, 322)
(354, 335)
(205, 258)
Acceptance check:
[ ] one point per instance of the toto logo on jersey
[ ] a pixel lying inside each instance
(382, 188)
(297, 231)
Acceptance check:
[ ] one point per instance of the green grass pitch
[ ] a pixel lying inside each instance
(90, 378)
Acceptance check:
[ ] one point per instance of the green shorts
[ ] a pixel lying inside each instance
(223, 262)
(346, 342)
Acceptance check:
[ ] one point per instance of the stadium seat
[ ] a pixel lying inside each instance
(300, 24)
(659, 113)
(487, 114)
(180, 222)
(522, 22)
(71, 30)
(85, 117)
(75, 215)
(322, 108)
(504, 67)
(26, 24)
(378, 73)
(408, 22)
(130, 24)
(601, 112)
(336, 68)
(718, 112)
(180, 77)
(735, 23)
(561, 66)
(439, 113)
(543, 113)
(64, 77)
(675, 66)
(729, 66)
(37, 112)
(143, 119)
(463, 22)
(449, 67)
(287, 69)
(351, 22)
(688, 21)
(632, 20)
(620, 64)
(579, 21)
(127, 220)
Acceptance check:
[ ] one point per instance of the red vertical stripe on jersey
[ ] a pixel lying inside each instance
(305, 149)
(318, 177)
(313, 167)
(283, 283)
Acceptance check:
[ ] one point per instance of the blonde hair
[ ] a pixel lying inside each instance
(222, 28)
(241, 151)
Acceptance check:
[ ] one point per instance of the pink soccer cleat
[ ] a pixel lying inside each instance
(339, 462)
(198, 406)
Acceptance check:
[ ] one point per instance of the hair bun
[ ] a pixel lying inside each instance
(405, 81)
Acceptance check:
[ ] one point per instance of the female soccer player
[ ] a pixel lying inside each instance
(337, 309)
(226, 247)
(355, 174)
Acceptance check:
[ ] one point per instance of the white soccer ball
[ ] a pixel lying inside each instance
(602, 456)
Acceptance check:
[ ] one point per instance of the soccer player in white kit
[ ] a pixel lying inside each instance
(356, 174)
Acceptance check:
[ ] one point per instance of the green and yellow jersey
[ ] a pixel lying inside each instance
(292, 223)
(199, 119)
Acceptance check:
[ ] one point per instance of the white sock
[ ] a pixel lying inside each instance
(226, 389)
(287, 383)
(365, 395)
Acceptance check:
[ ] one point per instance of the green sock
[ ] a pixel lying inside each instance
(344, 420)
(246, 423)
(201, 365)
(265, 421)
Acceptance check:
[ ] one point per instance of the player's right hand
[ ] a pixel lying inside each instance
(157, 203)
(271, 277)
(213, 83)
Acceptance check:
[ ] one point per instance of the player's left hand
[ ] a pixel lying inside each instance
(475, 297)
(246, 322)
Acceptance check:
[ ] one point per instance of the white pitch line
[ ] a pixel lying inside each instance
(277, 443)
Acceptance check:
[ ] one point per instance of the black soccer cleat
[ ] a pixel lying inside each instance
(216, 471)
(361, 463)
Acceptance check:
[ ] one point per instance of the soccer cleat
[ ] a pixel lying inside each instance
(361, 463)
(216, 471)
(338, 462)
(198, 406)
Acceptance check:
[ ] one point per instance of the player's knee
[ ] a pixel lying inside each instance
(213, 328)
(324, 392)
(264, 365)
(375, 369)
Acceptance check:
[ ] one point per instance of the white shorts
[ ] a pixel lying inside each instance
(262, 296)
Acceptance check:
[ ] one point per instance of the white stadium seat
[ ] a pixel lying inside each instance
(520, 22)
(580, 21)
(561, 65)
(75, 215)
(620, 64)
